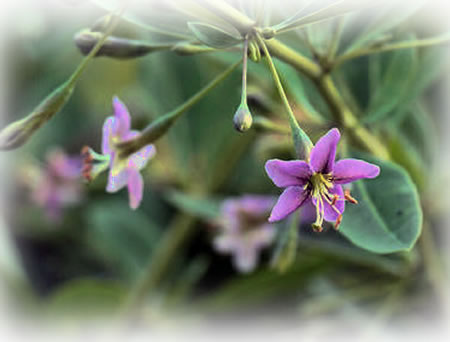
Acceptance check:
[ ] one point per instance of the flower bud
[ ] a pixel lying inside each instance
(114, 47)
(17, 133)
(242, 118)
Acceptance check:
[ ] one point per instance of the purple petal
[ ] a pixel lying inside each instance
(108, 132)
(290, 200)
(139, 159)
(350, 170)
(308, 212)
(117, 180)
(324, 152)
(331, 214)
(287, 173)
(123, 120)
(135, 188)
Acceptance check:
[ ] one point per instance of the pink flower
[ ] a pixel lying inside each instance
(244, 229)
(122, 171)
(317, 184)
(57, 185)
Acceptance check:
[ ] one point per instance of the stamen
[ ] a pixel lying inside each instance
(349, 198)
(338, 222)
(87, 163)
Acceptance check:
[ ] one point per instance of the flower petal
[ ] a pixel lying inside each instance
(123, 120)
(331, 214)
(245, 260)
(324, 152)
(350, 170)
(290, 200)
(139, 159)
(288, 173)
(108, 132)
(225, 243)
(135, 188)
(308, 212)
(117, 180)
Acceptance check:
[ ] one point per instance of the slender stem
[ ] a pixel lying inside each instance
(390, 47)
(293, 58)
(244, 73)
(303, 143)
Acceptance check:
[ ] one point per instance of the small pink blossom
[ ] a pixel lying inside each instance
(244, 230)
(122, 171)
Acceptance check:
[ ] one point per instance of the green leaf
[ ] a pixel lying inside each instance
(388, 217)
(286, 249)
(393, 89)
(214, 36)
(306, 16)
(122, 238)
(385, 20)
(205, 208)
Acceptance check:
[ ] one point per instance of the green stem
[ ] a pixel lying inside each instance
(302, 142)
(244, 73)
(390, 47)
(160, 126)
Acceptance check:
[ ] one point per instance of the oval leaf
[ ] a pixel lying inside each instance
(214, 36)
(388, 217)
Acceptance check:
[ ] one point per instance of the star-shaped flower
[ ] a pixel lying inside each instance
(317, 182)
(123, 171)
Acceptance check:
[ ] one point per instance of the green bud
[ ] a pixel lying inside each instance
(268, 33)
(242, 118)
(17, 133)
(186, 49)
(115, 47)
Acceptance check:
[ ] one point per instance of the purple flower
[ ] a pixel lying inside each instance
(317, 183)
(245, 230)
(122, 171)
(57, 185)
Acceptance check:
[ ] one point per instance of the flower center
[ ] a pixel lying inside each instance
(319, 186)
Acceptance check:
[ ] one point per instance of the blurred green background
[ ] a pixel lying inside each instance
(88, 261)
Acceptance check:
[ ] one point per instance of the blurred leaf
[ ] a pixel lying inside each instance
(304, 92)
(214, 36)
(164, 24)
(86, 297)
(385, 20)
(205, 208)
(388, 217)
(432, 65)
(311, 14)
(286, 248)
(405, 155)
(186, 281)
(393, 88)
(123, 238)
